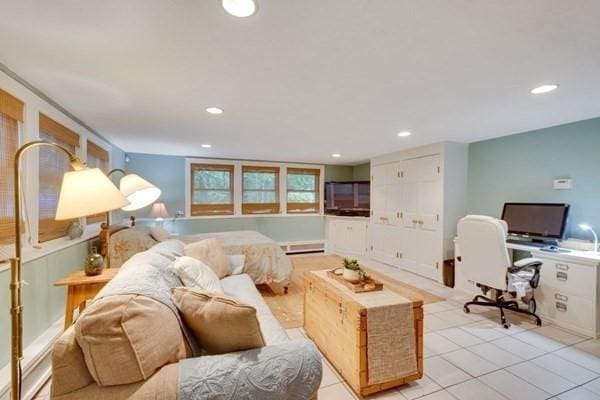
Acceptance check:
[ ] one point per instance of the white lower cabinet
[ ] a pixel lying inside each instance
(347, 235)
(568, 294)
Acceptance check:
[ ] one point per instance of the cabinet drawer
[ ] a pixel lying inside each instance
(569, 278)
(566, 308)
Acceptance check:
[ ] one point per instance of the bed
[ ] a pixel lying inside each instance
(265, 261)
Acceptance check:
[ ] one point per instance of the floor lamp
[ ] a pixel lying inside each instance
(139, 192)
(84, 191)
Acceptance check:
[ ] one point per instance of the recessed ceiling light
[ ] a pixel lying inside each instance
(214, 110)
(336, 155)
(207, 146)
(239, 8)
(544, 89)
(404, 134)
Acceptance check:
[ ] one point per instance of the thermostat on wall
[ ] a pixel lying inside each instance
(563, 183)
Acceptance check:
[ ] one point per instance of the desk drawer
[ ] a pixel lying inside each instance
(569, 278)
(566, 308)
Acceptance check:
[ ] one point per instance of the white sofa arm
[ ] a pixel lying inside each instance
(288, 370)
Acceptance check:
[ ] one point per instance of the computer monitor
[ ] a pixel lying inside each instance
(536, 220)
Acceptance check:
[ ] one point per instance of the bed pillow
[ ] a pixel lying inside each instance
(210, 252)
(220, 324)
(159, 233)
(237, 263)
(194, 273)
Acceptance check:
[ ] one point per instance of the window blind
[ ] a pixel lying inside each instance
(53, 164)
(260, 190)
(211, 189)
(11, 113)
(303, 190)
(97, 157)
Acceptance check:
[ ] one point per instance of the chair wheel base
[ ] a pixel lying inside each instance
(501, 305)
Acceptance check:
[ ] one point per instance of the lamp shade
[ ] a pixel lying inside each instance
(138, 191)
(159, 210)
(87, 192)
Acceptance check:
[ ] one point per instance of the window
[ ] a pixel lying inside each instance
(53, 164)
(97, 157)
(260, 190)
(11, 113)
(212, 189)
(303, 190)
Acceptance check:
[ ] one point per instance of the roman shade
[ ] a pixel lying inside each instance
(52, 166)
(11, 113)
(97, 157)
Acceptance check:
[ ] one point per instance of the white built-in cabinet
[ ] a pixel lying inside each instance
(417, 197)
(347, 235)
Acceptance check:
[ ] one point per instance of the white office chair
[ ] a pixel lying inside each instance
(484, 260)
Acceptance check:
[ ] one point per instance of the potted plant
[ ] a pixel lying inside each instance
(352, 272)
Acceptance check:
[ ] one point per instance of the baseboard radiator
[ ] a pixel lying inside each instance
(316, 246)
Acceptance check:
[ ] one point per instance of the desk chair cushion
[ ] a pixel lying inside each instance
(484, 256)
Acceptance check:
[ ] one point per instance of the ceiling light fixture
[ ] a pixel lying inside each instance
(214, 110)
(544, 89)
(206, 146)
(239, 8)
(404, 134)
(336, 155)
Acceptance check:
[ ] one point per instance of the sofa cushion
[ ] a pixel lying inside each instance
(69, 371)
(159, 233)
(221, 324)
(243, 288)
(194, 273)
(210, 252)
(127, 338)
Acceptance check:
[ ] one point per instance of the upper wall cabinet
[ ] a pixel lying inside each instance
(417, 197)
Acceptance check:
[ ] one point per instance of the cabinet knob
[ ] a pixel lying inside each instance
(421, 222)
(415, 221)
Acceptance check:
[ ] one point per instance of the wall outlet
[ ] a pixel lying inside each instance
(563, 183)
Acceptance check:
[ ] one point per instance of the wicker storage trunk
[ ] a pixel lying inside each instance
(338, 325)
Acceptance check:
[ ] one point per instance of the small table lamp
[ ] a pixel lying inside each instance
(84, 191)
(586, 227)
(159, 212)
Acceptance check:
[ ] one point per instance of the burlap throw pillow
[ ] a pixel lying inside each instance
(221, 324)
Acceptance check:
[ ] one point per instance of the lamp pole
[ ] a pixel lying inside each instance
(16, 283)
(105, 227)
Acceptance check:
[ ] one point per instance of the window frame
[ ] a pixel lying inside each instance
(238, 187)
(249, 208)
(300, 207)
(96, 147)
(211, 209)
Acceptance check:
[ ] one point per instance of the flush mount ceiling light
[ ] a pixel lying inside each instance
(239, 8)
(214, 110)
(404, 134)
(336, 155)
(206, 146)
(544, 89)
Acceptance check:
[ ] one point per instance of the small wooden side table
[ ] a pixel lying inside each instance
(81, 288)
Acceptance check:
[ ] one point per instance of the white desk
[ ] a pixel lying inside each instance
(569, 290)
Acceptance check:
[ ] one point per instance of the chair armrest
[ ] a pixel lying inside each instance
(526, 263)
(288, 370)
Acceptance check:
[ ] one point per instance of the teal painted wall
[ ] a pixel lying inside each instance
(522, 167)
(338, 173)
(43, 303)
(361, 172)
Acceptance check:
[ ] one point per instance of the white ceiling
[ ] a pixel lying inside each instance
(303, 79)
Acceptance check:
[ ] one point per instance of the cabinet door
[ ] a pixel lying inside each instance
(378, 204)
(429, 211)
(409, 208)
(394, 195)
(379, 246)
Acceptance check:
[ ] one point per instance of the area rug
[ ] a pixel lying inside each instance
(288, 309)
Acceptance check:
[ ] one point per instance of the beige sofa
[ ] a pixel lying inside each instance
(130, 343)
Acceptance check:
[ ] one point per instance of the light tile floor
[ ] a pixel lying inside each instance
(472, 357)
